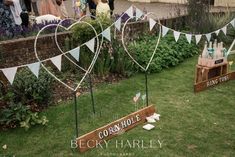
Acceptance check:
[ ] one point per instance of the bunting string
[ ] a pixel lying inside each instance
(75, 53)
(198, 37)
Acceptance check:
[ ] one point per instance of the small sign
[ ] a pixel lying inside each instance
(213, 82)
(118, 127)
(219, 61)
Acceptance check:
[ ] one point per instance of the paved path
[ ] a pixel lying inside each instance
(162, 10)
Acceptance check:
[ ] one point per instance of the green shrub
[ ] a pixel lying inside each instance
(169, 53)
(121, 62)
(112, 58)
(16, 115)
(27, 93)
(28, 89)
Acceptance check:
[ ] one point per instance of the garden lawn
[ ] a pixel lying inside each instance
(201, 124)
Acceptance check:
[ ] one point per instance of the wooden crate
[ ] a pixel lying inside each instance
(213, 82)
(206, 77)
(204, 73)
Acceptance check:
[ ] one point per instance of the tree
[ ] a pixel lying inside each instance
(198, 11)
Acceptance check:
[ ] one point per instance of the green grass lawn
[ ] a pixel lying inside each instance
(201, 124)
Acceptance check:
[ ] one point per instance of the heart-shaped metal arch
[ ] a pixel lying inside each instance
(87, 71)
(67, 28)
(230, 48)
(154, 52)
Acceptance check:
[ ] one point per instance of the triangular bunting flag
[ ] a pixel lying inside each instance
(198, 38)
(91, 44)
(224, 29)
(34, 67)
(217, 32)
(57, 61)
(129, 12)
(208, 36)
(233, 23)
(164, 30)
(189, 38)
(75, 53)
(10, 73)
(151, 23)
(139, 13)
(176, 35)
(118, 23)
(107, 34)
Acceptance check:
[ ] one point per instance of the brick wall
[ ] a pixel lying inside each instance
(21, 51)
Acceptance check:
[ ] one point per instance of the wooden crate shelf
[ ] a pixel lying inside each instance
(206, 77)
(204, 73)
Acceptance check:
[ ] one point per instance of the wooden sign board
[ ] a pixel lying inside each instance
(213, 82)
(98, 136)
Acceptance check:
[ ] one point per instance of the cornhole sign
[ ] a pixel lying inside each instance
(118, 127)
(213, 82)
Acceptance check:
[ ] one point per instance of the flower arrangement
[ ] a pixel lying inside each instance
(22, 31)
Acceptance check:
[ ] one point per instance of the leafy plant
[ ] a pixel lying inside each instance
(112, 57)
(20, 115)
(168, 54)
(27, 88)
(21, 32)
(27, 93)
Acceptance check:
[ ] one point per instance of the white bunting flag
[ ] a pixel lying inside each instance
(208, 37)
(176, 35)
(57, 61)
(118, 23)
(198, 38)
(217, 32)
(129, 12)
(151, 23)
(189, 38)
(233, 23)
(164, 30)
(34, 67)
(139, 14)
(107, 33)
(91, 44)
(10, 73)
(224, 29)
(75, 53)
